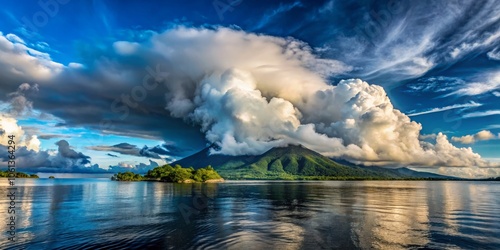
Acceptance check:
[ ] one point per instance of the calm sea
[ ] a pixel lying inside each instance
(101, 214)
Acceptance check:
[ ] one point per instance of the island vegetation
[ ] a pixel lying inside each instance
(177, 174)
(7, 174)
(127, 176)
(52, 177)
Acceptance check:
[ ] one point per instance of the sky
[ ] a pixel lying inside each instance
(108, 86)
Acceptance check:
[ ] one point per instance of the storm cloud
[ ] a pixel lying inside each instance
(247, 92)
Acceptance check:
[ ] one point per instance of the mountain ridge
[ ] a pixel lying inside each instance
(293, 162)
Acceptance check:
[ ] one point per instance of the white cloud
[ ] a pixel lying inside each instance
(482, 113)
(493, 126)
(494, 54)
(274, 93)
(18, 60)
(471, 172)
(428, 136)
(267, 17)
(456, 106)
(9, 127)
(125, 48)
(435, 84)
(482, 135)
(19, 104)
(76, 65)
(15, 39)
(487, 83)
(466, 47)
(251, 92)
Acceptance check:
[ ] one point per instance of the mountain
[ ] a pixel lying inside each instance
(291, 162)
(401, 172)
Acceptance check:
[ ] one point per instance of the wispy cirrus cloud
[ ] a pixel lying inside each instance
(272, 14)
(486, 83)
(494, 54)
(482, 113)
(436, 110)
(435, 84)
(493, 126)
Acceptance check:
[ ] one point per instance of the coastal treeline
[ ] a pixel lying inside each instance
(127, 176)
(7, 174)
(168, 173)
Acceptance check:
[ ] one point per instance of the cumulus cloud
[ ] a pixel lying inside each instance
(470, 172)
(18, 102)
(482, 135)
(270, 94)
(9, 127)
(29, 156)
(250, 92)
(14, 38)
(21, 61)
(136, 168)
(63, 160)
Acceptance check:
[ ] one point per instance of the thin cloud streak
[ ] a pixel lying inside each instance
(482, 113)
(456, 106)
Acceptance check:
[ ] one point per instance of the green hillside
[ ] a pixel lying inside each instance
(291, 162)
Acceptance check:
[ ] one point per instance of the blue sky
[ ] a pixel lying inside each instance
(437, 61)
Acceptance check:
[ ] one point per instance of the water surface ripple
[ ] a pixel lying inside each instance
(101, 214)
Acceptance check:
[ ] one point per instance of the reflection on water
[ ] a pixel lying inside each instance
(100, 214)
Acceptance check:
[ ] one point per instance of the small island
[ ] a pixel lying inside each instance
(176, 174)
(52, 177)
(7, 174)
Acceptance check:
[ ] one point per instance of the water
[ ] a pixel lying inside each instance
(100, 214)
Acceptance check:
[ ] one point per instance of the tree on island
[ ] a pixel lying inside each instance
(7, 174)
(127, 176)
(205, 174)
(179, 174)
(168, 173)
